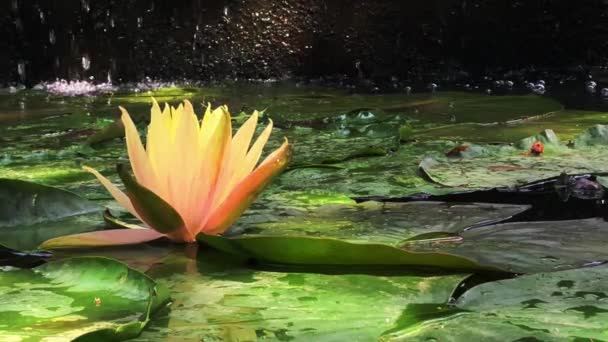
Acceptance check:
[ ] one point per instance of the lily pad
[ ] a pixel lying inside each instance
(503, 166)
(89, 298)
(529, 247)
(567, 124)
(365, 234)
(25, 203)
(560, 306)
(29, 237)
(224, 301)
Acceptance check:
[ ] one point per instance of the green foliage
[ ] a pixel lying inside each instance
(88, 299)
(559, 306)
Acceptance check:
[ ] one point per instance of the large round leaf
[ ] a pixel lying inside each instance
(566, 123)
(529, 247)
(24, 203)
(218, 300)
(365, 234)
(559, 306)
(89, 297)
(497, 166)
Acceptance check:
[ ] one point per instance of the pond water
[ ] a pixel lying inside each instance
(345, 145)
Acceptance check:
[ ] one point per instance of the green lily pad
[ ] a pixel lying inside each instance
(88, 298)
(28, 237)
(529, 247)
(560, 306)
(395, 174)
(567, 124)
(596, 135)
(25, 203)
(215, 299)
(503, 166)
(365, 234)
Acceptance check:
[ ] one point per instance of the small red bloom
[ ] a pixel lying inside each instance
(537, 148)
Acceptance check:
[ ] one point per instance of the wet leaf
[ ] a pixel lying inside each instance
(559, 306)
(567, 124)
(87, 298)
(224, 301)
(504, 166)
(25, 203)
(530, 247)
(365, 234)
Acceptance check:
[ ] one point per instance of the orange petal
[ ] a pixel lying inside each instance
(118, 195)
(235, 158)
(157, 146)
(183, 187)
(247, 190)
(216, 136)
(102, 238)
(137, 154)
(252, 156)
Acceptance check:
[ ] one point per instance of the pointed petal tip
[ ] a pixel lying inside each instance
(244, 193)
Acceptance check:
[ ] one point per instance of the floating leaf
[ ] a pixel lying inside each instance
(365, 234)
(114, 130)
(596, 135)
(224, 301)
(559, 306)
(502, 166)
(25, 203)
(90, 298)
(567, 124)
(530, 247)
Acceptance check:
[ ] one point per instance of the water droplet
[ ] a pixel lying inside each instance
(21, 70)
(52, 38)
(86, 62)
(19, 24)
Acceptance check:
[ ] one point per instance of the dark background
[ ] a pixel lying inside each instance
(259, 39)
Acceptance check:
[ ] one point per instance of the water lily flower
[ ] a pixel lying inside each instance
(190, 178)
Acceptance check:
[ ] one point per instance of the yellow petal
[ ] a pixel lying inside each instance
(247, 190)
(252, 156)
(235, 158)
(216, 137)
(118, 195)
(157, 145)
(183, 187)
(137, 154)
